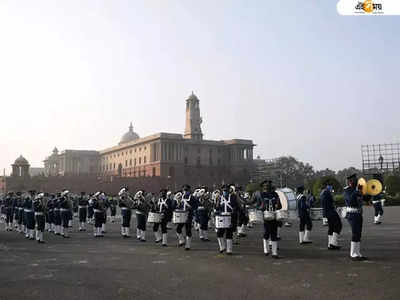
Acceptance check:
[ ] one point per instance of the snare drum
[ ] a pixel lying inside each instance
(180, 217)
(255, 216)
(154, 217)
(316, 214)
(269, 215)
(282, 215)
(223, 221)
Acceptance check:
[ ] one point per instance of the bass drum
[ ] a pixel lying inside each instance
(288, 200)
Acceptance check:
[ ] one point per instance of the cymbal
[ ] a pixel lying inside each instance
(374, 187)
(363, 183)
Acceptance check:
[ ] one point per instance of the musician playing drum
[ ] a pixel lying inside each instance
(188, 203)
(163, 206)
(39, 216)
(303, 208)
(203, 212)
(226, 205)
(334, 222)
(82, 211)
(268, 200)
(353, 199)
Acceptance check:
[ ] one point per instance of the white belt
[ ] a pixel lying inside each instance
(124, 208)
(56, 209)
(352, 210)
(38, 214)
(28, 210)
(64, 209)
(376, 201)
(201, 207)
(82, 206)
(139, 212)
(97, 210)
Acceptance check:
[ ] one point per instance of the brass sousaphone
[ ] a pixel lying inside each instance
(371, 187)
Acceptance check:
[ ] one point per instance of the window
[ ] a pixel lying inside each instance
(130, 151)
(198, 161)
(144, 159)
(130, 162)
(126, 163)
(186, 160)
(144, 173)
(140, 160)
(134, 162)
(135, 150)
(114, 165)
(154, 171)
(134, 173)
(145, 148)
(140, 149)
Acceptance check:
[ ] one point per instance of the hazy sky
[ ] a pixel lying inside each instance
(296, 78)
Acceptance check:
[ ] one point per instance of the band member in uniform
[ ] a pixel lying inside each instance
(187, 203)
(126, 212)
(242, 213)
(57, 214)
(65, 211)
(98, 209)
(113, 209)
(9, 207)
(39, 208)
(268, 200)
(50, 212)
(106, 204)
(142, 208)
(334, 222)
(377, 202)
(164, 207)
(353, 199)
(303, 208)
(90, 210)
(82, 211)
(205, 206)
(20, 204)
(29, 216)
(226, 203)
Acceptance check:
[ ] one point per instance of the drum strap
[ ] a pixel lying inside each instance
(186, 202)
(161, 203)
(226, 203)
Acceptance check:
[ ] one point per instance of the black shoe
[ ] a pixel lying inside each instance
(275, 256)
(164, 245)
(266, 254)
(305, 243)
(333, 247)
(278, 238)
(363, 258)
(242, 235)
(206, 240)
(158, 241)
(187, 249)
(222, 251)
(228, 253)
(66, 236)
(356, 258)
(142, 240)
(181, 244)
(41, 242)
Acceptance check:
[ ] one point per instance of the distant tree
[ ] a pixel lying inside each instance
(322, 181)
(392, 184)
(291, 172)
(343, 174)
(324, 173)
(252, 187)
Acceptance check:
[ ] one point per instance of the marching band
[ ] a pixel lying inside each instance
(229, 209)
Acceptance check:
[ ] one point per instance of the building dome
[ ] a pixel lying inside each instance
(21, 161)
(192, 97)
(129, 136)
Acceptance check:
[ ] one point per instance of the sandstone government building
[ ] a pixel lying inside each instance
(177, 157)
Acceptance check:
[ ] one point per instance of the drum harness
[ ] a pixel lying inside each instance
(226, 204)
(161, 203)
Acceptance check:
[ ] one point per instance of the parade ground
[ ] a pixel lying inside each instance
(84, 267)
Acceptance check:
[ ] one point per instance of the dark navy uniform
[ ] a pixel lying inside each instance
(377, 203)
(303, 208)
(57, 215)
(50, 212)
(189, 204)
(9, 204)
(164, 207)
(226, 203)
(65, 212)
(269, 201)
(353, 199)
(29, 216)
(126, 214)
(113, 209)
(40, 219)
(82, 211)
(334, 222)
(98, 208)
(204, 210)
(142, 208)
